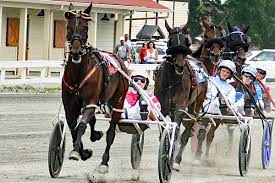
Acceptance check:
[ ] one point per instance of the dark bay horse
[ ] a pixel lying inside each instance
(86, 84)
(181, 97)
(236, 45)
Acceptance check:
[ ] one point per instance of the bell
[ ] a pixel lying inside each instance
(105, 17)
(41, 13)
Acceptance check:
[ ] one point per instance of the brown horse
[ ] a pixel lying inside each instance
(210, 50)
(236, 45)
(175, 85)
(86, 84)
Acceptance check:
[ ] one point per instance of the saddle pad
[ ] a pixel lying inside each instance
(110, 58)
(195, 65)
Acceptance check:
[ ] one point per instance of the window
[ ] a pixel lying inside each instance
(266, 56)
(59, 34)
(12, 37)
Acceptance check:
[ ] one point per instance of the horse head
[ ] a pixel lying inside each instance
(77, 31)
(214, 40)
(238, 41)
(178, 46)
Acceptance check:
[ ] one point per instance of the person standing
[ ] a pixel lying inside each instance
(131, 48)
(123, 51)
(143, 53)
(152, 53)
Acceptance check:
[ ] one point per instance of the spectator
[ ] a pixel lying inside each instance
(123, 51)
(152, 53)
(143, 53)
(131, 48)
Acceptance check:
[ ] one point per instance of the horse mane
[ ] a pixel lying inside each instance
(197, 53)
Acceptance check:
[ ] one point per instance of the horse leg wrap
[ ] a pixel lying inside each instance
(80, 131)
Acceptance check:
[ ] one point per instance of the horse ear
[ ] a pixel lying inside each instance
(221, 24)
(168, 28)
(71, 7)
(185, 27)
(88, 10)
(229, 27)
(205, 24)
(245, 29)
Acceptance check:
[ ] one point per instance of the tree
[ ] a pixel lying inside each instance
(259, 15)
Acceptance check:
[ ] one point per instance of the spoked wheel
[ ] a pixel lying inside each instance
(244, 150)
(56, 153)
(164, 162)
(266, 144)
(136, 150)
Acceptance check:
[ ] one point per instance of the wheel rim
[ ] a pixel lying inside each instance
(166, 166)
(266, 148)
(244, 156)
(56, 153)
(137, 150)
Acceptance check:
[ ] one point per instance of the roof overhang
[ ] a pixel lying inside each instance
(97, 4)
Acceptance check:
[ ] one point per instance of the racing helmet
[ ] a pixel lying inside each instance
(227, 64)
(143, 74)
(250, 70)
(261, 71)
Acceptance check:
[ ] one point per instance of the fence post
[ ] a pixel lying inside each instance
(3, 72)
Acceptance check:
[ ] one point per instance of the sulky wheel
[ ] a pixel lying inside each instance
(56, 153)
(136, 150)
(244, 150)
(164, 162)
(266, 144)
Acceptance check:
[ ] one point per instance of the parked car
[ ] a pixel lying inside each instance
(161, 46)
(264, 59)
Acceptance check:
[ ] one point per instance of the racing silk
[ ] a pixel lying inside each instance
(247, 100)
(212, 100)
(258, 89)
(131, 105)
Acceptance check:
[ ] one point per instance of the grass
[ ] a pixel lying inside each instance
(28, 89)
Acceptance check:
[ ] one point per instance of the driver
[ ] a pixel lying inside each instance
(249, 75)
(214, 102)
(134, 105)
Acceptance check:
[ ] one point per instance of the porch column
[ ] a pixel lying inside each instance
(93, 30)
(119, 28)
(1, 15)
(50, 33)
(46, 35)
(22, 39)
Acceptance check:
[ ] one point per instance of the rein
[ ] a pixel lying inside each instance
(77, 88)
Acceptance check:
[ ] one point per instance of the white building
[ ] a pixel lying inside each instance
(178, 17)
(27, 33)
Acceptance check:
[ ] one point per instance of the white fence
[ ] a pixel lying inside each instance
(50, 72)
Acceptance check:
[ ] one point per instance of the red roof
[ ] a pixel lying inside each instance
(137, 3)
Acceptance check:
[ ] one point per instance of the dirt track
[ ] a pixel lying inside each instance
(25, 127)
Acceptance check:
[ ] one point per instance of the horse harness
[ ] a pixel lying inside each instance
(100, 61)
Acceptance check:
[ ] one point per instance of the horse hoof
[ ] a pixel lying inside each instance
(74, 155)
(176, 166)
(102, 169)
(196, 162)
(96, 135)
(86, 154)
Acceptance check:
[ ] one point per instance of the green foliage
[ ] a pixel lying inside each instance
(259, 15)
(194, 16)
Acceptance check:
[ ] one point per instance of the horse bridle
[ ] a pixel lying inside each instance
(178, 32)
(76, 36)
